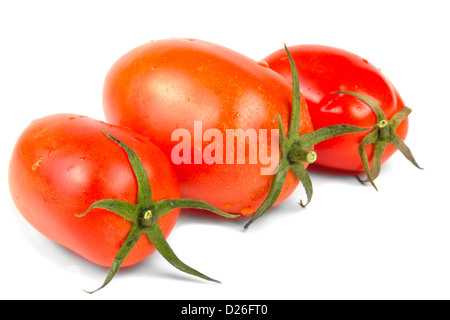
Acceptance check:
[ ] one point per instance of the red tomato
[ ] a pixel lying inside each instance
(324, 69)
(170, 84)
(66, 166)
(62, 164)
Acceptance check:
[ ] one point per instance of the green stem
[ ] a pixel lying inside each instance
(156, 237)
(294, 125)
(148, 218)
(296, 149)
(274, 192)
(125, 249)
(382, 136)
(144, 217)
(144, 190)
(298, 154)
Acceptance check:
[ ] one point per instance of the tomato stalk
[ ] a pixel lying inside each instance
(297, 149)
(383, 135)
(144, 217)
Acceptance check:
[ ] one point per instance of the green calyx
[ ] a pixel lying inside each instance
(297, 149)
(144, 217)
(381, 136)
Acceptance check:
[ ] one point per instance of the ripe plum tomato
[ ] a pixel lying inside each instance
(198, 86)
(63, 163)
(65, 166)
(323, 70)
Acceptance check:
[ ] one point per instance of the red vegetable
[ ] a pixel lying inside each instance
(63, 166)
(366, 98)
(169, 85)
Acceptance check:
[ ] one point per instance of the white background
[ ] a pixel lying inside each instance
(350, 243)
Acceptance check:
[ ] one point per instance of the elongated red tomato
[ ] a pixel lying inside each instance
(323, 70)
(63, 163)
(82, 183)
(206, 91)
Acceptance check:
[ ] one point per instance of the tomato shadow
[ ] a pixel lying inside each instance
(194, 217)
(323, 175)
(58, 255)
(156, 268)
(332, 172)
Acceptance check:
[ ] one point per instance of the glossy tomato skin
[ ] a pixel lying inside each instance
(169, 84)
(324, 69)
(63, 163)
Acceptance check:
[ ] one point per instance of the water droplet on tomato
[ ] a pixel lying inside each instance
(263, 64)
(227, 206)
(41, 133)
(37, 164)
(247, 211)
(138, 139)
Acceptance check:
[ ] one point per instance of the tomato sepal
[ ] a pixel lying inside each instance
(165, 206)
(303, 176)
(275, 190)
(383, 135)
(296, 149)
(125, 209)
(144, 198)
(156, 237)
(144, 217)
(129, 243)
